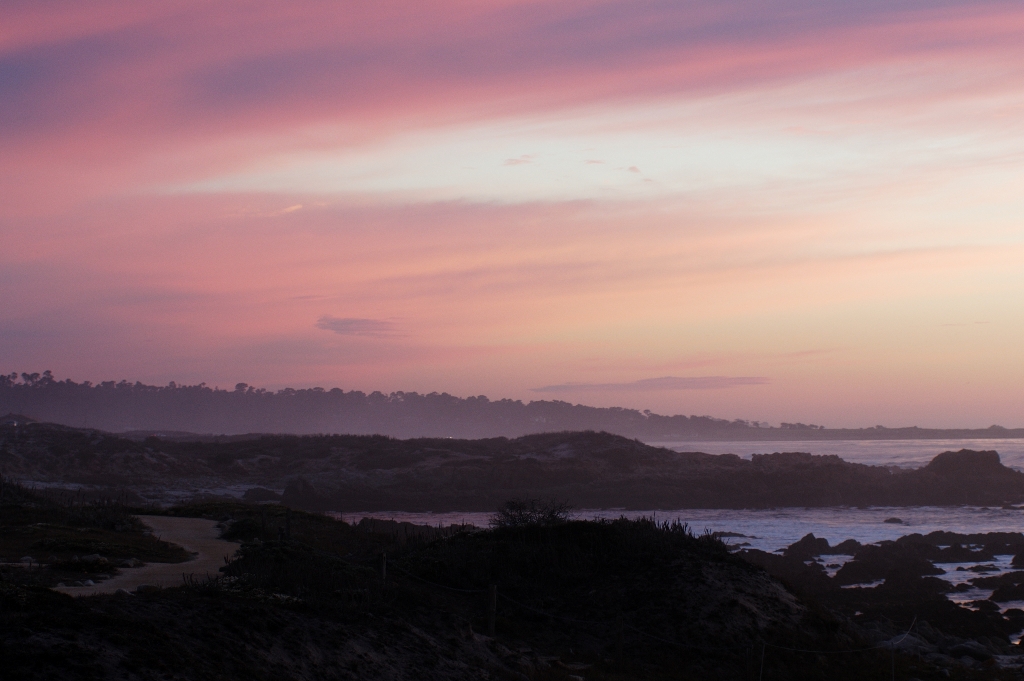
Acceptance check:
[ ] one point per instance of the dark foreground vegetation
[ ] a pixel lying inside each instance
(120, 406)
(58, 537)
(309, 597)
(589, 470)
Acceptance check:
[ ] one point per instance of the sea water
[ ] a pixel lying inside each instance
(774, 529)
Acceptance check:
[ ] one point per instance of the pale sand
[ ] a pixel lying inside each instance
(193, 534)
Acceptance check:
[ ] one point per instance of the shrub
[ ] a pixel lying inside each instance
(531, 512)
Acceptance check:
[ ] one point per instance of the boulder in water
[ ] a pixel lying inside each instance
(808, 547)
(966, 463)
(846, 548)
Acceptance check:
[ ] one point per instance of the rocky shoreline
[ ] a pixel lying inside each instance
(586, 469)
(891, 580)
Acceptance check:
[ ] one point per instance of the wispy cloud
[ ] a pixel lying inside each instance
(352, 326)
(663, 383)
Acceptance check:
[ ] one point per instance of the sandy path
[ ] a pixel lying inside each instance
(197, 535)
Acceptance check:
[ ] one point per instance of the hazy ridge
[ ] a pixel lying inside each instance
(123, 407)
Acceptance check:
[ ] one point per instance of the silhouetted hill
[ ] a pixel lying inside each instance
(588, 469)
(177, 410)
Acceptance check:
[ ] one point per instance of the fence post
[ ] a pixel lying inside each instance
(492, 608)
(288, 524)
(384, 569)
(620, 640)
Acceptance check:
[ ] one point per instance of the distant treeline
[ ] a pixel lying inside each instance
(124, 407)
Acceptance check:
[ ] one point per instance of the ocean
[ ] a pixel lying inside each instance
(769, 530)
(773, 529)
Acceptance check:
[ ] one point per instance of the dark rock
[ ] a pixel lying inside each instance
(944, 538)
(1005, 579)
(985, 606)
(809, 579)
(846, 548)
(959, 554)
(978, 568)
(893, 521)
(872, 563)
(1015, 616)
(965, 463)
(905, 584)
(302, 495)
(258, 494)
(806, 548)
(971, 649)
(926, 631)
(1005, 594)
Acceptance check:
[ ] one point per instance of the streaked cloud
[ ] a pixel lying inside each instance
(181, 200)
(352, 326)
(663, 383)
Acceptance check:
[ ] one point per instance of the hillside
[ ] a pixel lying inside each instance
(590, 470)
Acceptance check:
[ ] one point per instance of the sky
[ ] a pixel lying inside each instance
(788, 211)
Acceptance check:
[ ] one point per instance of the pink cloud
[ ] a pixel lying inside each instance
(139, 95)
(102, 101)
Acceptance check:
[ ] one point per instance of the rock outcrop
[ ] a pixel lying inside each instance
(588, 470)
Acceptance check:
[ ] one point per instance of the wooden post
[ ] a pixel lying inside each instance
(384, 569)
(288, 524)
(620, 640)
(492, 608)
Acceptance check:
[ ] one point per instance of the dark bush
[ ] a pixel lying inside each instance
(531, 512)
